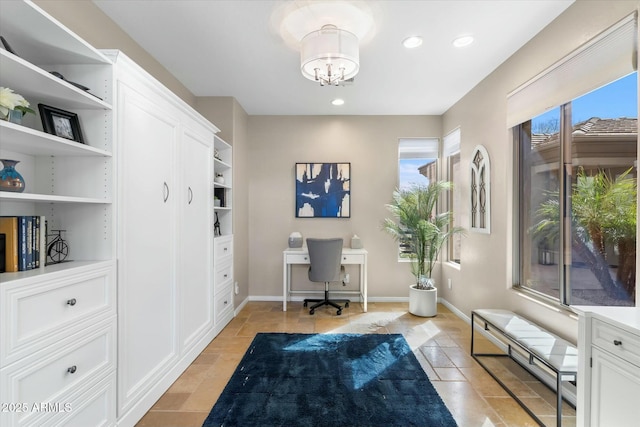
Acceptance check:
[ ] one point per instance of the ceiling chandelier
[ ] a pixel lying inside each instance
(329, 55)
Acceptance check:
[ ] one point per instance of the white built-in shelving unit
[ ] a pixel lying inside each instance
(58, 322)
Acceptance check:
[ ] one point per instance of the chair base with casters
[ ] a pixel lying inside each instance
(326, 301)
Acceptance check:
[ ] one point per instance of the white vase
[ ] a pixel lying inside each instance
(219, 179)
(423, 302)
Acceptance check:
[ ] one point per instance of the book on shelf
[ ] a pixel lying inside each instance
(9, 227)
(25, 242)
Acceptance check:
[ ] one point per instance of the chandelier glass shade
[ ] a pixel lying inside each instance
(329, 55)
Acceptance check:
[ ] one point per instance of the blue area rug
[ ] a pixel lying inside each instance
(329, 380)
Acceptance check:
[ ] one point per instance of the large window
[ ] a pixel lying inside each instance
(578, 193)
(576, 172)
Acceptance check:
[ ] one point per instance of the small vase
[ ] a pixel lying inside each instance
(13, 116)
(219, 179)
(10, 179)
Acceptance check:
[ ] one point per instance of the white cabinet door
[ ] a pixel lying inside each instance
(147, 342)
(615, 387)
(195, 283)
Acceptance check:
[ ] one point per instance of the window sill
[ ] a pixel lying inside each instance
(453, 265)
(547, 302)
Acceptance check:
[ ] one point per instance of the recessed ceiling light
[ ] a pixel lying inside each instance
(412, 42)
(463, 41)
(337, 101)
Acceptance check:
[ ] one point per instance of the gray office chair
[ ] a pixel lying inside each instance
(324, 257)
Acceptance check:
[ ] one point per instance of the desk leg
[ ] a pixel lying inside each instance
(363, 280)
(285, 284)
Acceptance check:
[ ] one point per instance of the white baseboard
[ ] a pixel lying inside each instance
(240, 306)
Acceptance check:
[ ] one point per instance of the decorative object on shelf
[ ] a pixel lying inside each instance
(356, 243)
(480, 191)
(78, 85)
(64, 124)
(216, 201)
(216, 154)
(219, 178)
(295, 240)
(10, 179)
(13, 106)
(57, 247)
(216, 227)
(323, 190)
(6, 46)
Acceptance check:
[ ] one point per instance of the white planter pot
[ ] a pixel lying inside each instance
(423, 302)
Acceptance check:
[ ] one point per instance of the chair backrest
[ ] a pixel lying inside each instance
(324, 257)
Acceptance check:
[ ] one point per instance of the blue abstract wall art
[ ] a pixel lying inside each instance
(323, 190)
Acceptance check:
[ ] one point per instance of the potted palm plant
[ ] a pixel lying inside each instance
(421, 232)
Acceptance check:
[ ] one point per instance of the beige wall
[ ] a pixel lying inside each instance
(485, 275)
(370, 144)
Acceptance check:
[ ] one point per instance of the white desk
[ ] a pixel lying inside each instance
(301, 256)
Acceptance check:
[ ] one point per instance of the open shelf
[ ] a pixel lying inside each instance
(47, 198)
(36, 143)
(33, 82)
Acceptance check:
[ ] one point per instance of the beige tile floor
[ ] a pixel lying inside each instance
(441, 344)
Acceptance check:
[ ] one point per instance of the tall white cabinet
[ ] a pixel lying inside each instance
(609, 371)
(105, 335)
(165, 238)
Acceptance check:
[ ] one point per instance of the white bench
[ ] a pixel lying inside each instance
(542, 347)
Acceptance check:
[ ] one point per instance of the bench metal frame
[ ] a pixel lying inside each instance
(532, 359)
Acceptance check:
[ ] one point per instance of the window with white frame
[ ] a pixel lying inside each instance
(417, 165)
(451, 156)
(417, 161)
(576, 174)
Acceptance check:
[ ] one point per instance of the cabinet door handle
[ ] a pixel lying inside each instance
(71, 302)
(72, 370)
(617, 342)
(226, 275)
(190, 195)
(165, 192)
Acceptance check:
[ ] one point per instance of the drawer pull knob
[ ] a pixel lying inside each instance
(617, 342)
(72, 370)
(226, 275)
(71, 302)
(305, 258)
(226, 302)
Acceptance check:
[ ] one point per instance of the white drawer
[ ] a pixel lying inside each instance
(51, 375)
(223, 302)
(224, 272)
(37, 315)
(95, 407)
(352, 259)
(616, 341)
(223, 247)
(298, 259)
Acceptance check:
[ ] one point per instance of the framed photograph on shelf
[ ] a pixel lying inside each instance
(323, 190)
(64, 124)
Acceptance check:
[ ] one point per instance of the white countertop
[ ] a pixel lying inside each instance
(625, 317)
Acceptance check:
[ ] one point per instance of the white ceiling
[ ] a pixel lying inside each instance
(230, 48)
